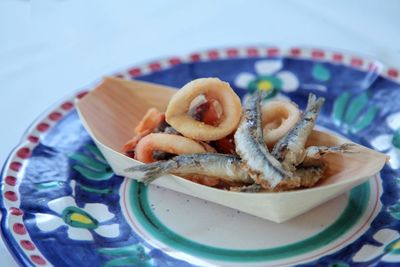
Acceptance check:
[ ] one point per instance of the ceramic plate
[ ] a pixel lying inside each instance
(63, 206)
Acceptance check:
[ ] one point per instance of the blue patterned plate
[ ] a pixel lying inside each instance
(63, 206)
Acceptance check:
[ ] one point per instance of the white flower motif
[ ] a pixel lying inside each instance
(80, 221)
(390, 143)
(269, 78)
(385, 236)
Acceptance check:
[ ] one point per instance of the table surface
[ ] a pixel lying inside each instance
(50, 48)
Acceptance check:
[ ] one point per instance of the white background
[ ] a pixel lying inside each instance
(50, 48)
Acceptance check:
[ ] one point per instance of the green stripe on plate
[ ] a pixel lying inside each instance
(356, 206)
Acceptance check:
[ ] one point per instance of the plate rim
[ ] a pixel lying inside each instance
(65, 105)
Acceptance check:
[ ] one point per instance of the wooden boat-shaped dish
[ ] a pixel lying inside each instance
(111, 111)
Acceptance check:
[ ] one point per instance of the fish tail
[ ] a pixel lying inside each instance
(264, 94)
(147, 173)
(345, 148)
(314, 102)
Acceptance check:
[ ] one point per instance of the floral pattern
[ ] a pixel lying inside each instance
(91, 164)
(390, 142)
(320, 73)
(81, 223)
(134, 255)
(353, 113)
(387, 253)
(269, 77)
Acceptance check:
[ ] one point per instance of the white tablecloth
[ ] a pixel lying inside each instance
(49, 48)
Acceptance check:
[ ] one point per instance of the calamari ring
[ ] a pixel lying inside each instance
(212, 88)
(129, 147)
(278, 117)
(151, 120)
(174, 144)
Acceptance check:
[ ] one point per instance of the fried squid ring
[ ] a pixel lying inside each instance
(213, 89)
(278, 117)
(169, 143)
(150, 121)
(129, 147)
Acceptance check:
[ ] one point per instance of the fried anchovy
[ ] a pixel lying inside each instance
(309, 176)
(303, 177)
(225, 167)
(261, 165)
(289, 150)
(313, 154)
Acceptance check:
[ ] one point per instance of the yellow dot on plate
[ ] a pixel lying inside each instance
(81, 218)
(396, 246)
(265, 85)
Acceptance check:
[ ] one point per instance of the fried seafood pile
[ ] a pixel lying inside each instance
(206, 136)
